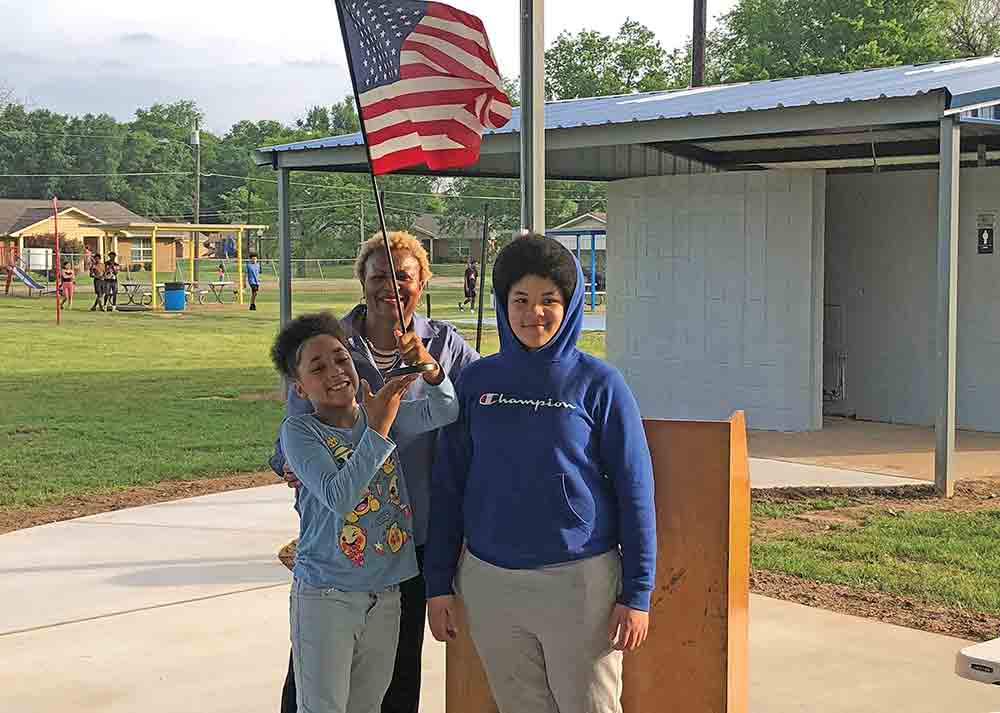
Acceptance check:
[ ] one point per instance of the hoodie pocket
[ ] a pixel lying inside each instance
(577, 499)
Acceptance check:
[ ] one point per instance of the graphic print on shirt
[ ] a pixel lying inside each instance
(353, 541)
(371, 516)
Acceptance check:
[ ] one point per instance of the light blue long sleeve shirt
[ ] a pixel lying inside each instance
(356, 524)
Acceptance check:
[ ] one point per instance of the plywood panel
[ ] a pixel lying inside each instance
(695, 659)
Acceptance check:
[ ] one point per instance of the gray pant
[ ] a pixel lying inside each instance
(542, 634)
(343, 647)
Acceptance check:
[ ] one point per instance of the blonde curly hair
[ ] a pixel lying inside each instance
(398, 240)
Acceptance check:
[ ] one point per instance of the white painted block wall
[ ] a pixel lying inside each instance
(715, 295)
(882, 267)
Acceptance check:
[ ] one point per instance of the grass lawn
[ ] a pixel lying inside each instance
(942, 556)
(110, 401)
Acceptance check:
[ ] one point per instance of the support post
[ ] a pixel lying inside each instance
(284, 248)
(532, 116)
(947, 304)
(593, 273)
(239, 262)
(194, 252)
(152, 241)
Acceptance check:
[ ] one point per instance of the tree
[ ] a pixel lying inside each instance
(590, 64)
(768, 39)
(973, 27)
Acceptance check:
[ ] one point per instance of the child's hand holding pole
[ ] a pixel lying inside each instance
(383, 406)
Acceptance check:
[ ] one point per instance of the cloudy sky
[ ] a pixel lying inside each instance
(241, 60)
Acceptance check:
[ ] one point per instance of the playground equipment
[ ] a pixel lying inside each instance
(194, 230)
(14, 269)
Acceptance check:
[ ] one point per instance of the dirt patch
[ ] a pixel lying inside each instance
(970, 496)
(17, 519)
(891, 609)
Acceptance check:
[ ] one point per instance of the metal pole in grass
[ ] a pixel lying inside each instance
(482, 276)
(58, 265)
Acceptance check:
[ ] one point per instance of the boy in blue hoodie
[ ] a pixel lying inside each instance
(546, 478)
(355, 533)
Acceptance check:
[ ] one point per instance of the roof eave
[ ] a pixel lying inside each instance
(916, 109)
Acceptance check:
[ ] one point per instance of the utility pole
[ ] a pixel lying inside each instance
(698, 43)
(196, 145)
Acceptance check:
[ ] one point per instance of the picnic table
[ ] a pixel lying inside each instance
(147, 296)
(218, 289)
(132, 291)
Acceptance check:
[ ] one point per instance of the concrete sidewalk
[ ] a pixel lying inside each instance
(766, 473)
(183, 606)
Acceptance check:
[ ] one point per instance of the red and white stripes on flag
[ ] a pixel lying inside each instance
(448, 92)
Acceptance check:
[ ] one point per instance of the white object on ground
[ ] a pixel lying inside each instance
(980, 662)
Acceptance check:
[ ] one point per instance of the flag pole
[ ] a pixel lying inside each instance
(482, 279)
(371, 168)
(58, 265)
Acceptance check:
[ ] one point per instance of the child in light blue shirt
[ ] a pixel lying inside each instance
(355, 539)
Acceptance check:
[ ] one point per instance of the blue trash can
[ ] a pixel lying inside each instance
(174, 297)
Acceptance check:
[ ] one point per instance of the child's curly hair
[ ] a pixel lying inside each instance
(287, 348)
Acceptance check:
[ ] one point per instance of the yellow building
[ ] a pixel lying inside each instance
(27, 223)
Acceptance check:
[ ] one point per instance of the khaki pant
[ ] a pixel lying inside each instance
(542, 634)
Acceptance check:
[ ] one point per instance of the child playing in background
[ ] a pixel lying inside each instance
(111, 268)
(222, 272)
(97, 272)
(355, 538)
(253, 280)
(67, 278)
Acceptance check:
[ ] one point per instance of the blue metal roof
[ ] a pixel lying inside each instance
(967, 82)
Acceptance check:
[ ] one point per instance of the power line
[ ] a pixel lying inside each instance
(393, 193)
(305, 206)
(94, 175)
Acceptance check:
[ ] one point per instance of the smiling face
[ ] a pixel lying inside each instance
(378, 285)
(326, 374)
(535, 309)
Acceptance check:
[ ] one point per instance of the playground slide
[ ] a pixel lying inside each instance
(28, 280)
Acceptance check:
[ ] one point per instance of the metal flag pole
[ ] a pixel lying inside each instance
(371, 167)
(482, 273)
(58, 265)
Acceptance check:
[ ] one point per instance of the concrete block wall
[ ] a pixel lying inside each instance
(881, 233)
(715, 295)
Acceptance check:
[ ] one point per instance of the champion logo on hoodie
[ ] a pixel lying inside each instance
(535, 404)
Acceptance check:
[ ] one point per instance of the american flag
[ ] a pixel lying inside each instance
(426, 80)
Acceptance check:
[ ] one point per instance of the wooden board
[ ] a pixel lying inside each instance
(695, 659)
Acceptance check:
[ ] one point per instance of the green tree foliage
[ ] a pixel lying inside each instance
(589, 64)
(973, 27)
(768, 39)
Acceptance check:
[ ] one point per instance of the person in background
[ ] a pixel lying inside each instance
(471, 278)
(253, 280)
(222, 272)
(375, 351)
(67, 284)
(542, 515)
(111, 268)
(97, 273)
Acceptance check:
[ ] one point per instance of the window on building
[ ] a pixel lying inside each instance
(142, 250)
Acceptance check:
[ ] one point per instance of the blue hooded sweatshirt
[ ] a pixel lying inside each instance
(547, 464)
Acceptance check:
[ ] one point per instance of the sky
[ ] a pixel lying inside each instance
(243, 60)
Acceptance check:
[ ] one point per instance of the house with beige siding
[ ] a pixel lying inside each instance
(28, 223)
